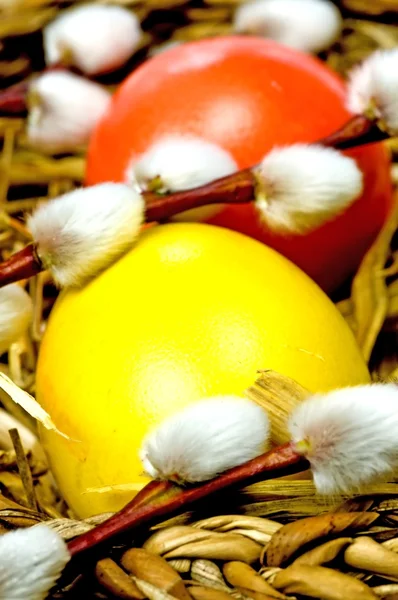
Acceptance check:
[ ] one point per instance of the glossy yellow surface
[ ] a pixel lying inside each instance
(191, 311)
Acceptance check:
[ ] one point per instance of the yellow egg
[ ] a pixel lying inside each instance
(192, 311)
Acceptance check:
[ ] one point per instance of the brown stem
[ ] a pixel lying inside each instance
(150, 493)
(240, 187)
(13, 99)
(358, 131)
(21, 265)
(237, 188)
(170, 498)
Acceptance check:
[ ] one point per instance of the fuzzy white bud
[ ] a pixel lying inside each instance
(31, 560)
(96, 38)
(307, 25)
(301, 187)
(373, 88)
(15, 314)
(176, 163)
(349, 436)
(81, 233)
(206, 439)
(64, 109)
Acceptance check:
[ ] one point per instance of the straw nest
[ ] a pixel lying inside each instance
(275, 539)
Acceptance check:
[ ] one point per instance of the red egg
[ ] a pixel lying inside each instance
(247, 95)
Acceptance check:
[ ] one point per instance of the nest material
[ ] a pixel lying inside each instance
(211, 555)
(343, 550)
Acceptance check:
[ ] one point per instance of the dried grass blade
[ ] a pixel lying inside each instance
(281, 487)
(29, 439)
(369, 290)
(35, 169)
(385, 37)
(279, 395)
(69, 528)
(28, 403)
(25, 22)
(6, 159)
(24, 469)
(19, 517)
(292, 507)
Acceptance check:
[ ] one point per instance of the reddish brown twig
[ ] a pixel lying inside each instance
(22, 265)
(163, 499)
(236, 188)
(13, 99)
(358, 131)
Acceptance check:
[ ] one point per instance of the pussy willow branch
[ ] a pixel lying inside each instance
(164, 499)
(358, 131)
(22, 265)
(237, 188)
(14, 100)
(240, 187)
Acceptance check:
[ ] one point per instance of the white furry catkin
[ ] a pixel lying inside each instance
(206, 439)
(349, 436)
(301, 187)
(176, 163)
(373, 88)
(31, 560)
(64, 110)
(15, 314)
(96, 38)
(307, 25)
(81, 233)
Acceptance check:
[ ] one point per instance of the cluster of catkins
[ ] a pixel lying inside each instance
(93, 39)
